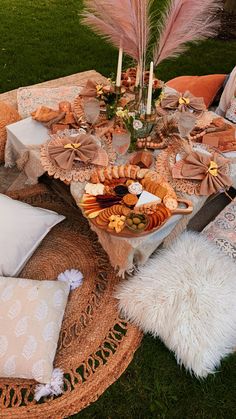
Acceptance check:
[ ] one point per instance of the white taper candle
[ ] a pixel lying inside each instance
(119, 67)
(137, 76)
(149, 97)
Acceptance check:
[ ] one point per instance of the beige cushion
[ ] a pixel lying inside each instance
(30, 98)
(31, 314)
(22, 228)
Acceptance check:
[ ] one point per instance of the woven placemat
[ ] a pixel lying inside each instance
(95, 344)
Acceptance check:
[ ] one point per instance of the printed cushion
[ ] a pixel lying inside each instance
(8, 115)
(22, 228)
(222, 230)
(231, 112)
(31, 314)
(200, 86)
(30, 98)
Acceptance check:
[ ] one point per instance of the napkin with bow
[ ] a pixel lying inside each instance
(183, 102)
(65, 151)
(208, 169)
(90, 90)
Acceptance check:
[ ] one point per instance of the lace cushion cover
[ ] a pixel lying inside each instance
(231, 112)
(30, 98)
(222, 231)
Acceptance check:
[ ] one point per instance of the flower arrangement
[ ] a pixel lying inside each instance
(136, 120)
(108, 94)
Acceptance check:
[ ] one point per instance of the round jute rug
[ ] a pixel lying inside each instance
(95, 344)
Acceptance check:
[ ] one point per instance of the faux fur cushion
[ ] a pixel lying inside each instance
(186, 296)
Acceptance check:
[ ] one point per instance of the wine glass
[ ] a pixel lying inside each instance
(91, 110)
(186, 122)
(120, 141)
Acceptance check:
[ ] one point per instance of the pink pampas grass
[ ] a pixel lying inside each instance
(185, 21)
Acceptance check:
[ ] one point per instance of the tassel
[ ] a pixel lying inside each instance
(73, 277)
(54, 388)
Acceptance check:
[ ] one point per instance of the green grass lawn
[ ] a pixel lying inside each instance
(41, 40)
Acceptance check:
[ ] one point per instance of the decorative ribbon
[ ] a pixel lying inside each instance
(213, 168)
(72, 145)
(183, 102)
(83, 148)
(210, 170)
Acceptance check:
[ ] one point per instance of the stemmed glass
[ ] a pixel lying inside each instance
(91, 110)
(186, 122)
(120, 141)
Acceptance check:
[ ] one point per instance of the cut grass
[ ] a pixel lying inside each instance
(42, 41)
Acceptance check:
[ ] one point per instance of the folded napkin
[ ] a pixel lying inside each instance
(210, 170)
(183, 102)
(90, 90)
(83, 147)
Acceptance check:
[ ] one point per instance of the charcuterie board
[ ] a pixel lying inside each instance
(129, 202)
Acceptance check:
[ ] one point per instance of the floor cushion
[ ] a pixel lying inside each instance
(30, 98)
(222, 230)
(22, 228)
(185, 295)
(31, 314)
(200, 86)
(8, 115)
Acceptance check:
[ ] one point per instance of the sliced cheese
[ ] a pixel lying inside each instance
(146, 198)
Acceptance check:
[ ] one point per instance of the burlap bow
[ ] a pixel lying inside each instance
(183, 102)
(82, 147)
(210, 170)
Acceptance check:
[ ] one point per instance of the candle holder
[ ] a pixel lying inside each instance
(141, 127)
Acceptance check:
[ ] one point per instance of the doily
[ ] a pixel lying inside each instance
(80, 172)
(166, 160)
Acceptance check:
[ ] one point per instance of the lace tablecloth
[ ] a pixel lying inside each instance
(123, 253)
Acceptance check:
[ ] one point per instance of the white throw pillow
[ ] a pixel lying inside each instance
(22, 228)
(186, 296)
(31, 314)
(30, 98)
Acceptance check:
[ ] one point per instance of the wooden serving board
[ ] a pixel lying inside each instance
(127, 233)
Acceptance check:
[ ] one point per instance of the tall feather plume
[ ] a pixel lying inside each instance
(125, 21)
(186, 21)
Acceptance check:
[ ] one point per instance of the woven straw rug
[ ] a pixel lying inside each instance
(95, 344)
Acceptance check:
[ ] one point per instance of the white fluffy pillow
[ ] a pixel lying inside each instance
(22, 228)
(186, 295)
